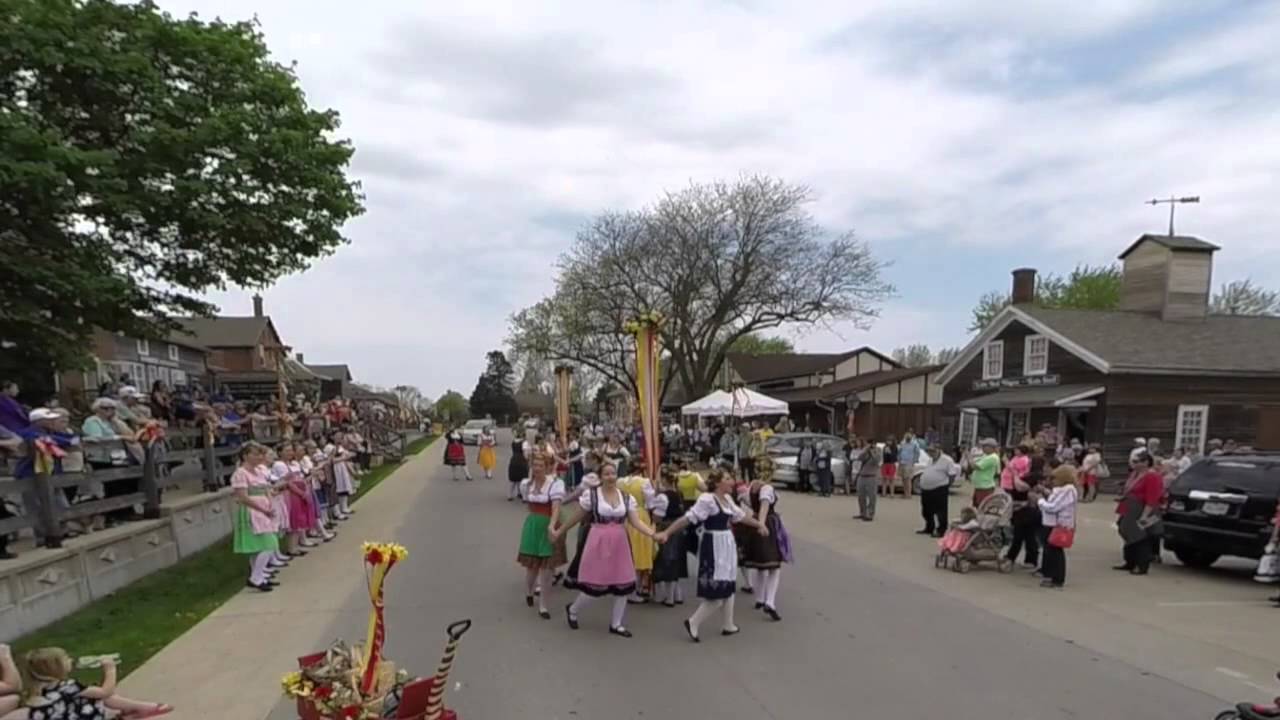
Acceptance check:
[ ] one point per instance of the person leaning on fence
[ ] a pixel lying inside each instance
(49, 427)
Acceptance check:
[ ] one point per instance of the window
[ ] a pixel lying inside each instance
(968, 428)
(173, 353)
(1035, 355)
(144, 347)
(262, 355)
(1192, 421)
(993, 360)
(1019, 421)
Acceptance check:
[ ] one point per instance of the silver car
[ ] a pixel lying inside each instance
(784, 449)
(471, 431)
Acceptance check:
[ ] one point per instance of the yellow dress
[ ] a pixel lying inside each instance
(642, 546)
(487, 458)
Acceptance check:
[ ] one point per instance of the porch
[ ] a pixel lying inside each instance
(1009, 414)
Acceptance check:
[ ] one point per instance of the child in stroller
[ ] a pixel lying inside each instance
(979, 535)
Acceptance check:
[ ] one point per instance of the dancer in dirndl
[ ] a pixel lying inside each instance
(607, 567)
(717, 552)
(543, 495)
(590, 481)
(642, 547)
(487, 458)
(671, 566)
(765, 553)
(455, 454)
(254, 523)
(741, 494)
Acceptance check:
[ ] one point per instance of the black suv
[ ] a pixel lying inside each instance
(1222, 505)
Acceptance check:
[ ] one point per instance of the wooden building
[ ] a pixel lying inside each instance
(247, 355)
(177, 361)
(1162, 366)
(824, 389)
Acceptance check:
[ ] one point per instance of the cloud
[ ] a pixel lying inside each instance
(959, 139)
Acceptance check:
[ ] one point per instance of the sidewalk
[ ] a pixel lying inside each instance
(229, 665)
(1211, 630)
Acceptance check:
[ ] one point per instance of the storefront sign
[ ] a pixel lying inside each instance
(1026, 381)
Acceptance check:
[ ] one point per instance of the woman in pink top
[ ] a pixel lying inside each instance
(255, 526)
(1016, 469)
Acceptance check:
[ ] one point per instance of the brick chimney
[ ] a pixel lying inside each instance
(257, 305)
(1024, 286)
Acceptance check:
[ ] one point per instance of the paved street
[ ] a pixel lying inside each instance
(856, 639)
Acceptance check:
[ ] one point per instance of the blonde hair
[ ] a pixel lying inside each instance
(44, 667)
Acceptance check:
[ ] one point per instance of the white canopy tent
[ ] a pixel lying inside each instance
(739, 403)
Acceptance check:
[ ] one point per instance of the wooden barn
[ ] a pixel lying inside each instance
(1161, 366)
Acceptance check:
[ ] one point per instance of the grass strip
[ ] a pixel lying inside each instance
(140, 619)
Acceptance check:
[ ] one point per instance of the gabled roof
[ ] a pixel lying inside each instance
(854, 385)
(333, 372)
(1173, 242)
(1119, 341)
(226, 331)
(759, 368)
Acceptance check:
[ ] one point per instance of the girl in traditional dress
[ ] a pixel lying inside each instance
(606, 567)
(617, 453)
(671, 566)
(543, 495)
(254, 532)
(455, 455)
(55, 695)
(766, 553)
(298, 498)
(576, 457)
(741, 533)
(343, 480)
(487, 458)
(517, 470)
(590, 482)
(642, 547)
(717, 552)
(277, 473)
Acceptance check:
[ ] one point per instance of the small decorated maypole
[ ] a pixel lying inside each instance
(564, 379)
(379, 558)
(645, 329)
(435, 699)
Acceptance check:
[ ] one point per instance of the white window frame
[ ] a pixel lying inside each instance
(995, 346)
(143, 346)
(1183, 410)
(174, 354)
(967, 435)
(1027, 355)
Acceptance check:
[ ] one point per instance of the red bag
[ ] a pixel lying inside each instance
(1062, 537)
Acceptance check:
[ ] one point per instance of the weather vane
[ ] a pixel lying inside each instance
(1172, 202)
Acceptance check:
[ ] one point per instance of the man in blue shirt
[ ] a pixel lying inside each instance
(908, 453)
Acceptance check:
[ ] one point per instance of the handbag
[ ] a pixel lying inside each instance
(1062, 537)
(1268, 567)
(1102, 472)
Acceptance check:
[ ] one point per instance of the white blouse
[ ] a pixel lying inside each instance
(605, 510)
(707, 505)
(658, 505)
(551, 491)
(279, 471)
(767, 495)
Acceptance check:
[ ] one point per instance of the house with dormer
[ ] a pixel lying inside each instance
(1162, 365)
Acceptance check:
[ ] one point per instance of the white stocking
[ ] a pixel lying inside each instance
(679, 592)
(512, 489)
(344, 503)
(728, 615)
(258, 568)
(580, 603)
(771, 580)
(619, 609)
(544, 584)
(704, 611)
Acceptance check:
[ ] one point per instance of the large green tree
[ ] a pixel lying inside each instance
(144, 160)
(451, 408)
(493, 395)
(753, 344)
(1086, 288)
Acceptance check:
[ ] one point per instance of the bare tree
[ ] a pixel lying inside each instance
(719, 261)
(1242, 297)
(913, 356)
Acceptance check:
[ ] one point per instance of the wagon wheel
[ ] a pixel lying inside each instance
(963, 566)
(939, 560)
(1004, 565)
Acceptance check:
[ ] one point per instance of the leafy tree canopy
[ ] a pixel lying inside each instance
(493, 396)
(1086, 288)
(145, 159)
(753, 344)
(451, 407)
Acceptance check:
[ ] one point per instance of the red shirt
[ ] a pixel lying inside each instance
(1149, 489)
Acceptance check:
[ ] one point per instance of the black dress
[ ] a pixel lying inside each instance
(760, 552)
(671, 564)
(64, 702)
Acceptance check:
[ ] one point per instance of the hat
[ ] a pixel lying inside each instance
(43, 414)
(1139, 441)
(128, 391)
(104, 402)
(989, 442)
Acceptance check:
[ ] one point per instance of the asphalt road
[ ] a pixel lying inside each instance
(855, 641)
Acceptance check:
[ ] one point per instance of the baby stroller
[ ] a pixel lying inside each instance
(981, 536)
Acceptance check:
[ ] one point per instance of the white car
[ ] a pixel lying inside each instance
(785, 451)
(471, 431)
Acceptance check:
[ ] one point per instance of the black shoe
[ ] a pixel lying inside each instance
(734, 631)
(264, 587)
(1274, 598)
(868, 519)
(620, 632)
(568, 616)
(749, 590)
(1123, 568)
(689, 629)
(924, 532)
(555, 580)
(544, 614)
(1138, 571)
(528, 600)
(759, 606)
(298, 553)
(668, 604)
(773, 614)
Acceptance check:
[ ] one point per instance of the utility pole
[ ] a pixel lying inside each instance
(1172, 202)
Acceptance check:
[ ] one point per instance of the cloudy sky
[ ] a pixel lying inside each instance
(961, 139)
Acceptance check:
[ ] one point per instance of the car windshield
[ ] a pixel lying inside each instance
(1237, 476)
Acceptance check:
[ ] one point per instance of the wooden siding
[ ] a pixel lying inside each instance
(1188, 286)
(1145, 278)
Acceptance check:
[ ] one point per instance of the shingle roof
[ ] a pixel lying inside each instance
(758, 368)
(333, 372)
(216, 332)
(1173, 242)
(856, 384)
(1132, 341)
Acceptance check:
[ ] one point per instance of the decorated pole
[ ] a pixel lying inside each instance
(379, 558)
(435, 698)
(645, 329)
(564, 379)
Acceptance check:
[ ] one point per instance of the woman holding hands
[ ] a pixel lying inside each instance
(717, 552)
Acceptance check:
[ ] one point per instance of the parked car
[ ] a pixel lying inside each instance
(1223, 505)
(471, 431)
(785, 451)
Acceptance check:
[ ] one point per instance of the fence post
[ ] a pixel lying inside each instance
(150, 487)
(210, 468)
(47, 511)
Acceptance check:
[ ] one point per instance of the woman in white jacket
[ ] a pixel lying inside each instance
(1058, 511)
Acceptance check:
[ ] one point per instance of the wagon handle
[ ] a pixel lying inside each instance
(456, 630)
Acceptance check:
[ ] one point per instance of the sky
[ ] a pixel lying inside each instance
(960, 140)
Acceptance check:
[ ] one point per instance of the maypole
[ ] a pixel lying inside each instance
(564, 379)
(645, 329)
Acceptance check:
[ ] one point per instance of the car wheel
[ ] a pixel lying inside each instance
(1196, 558)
